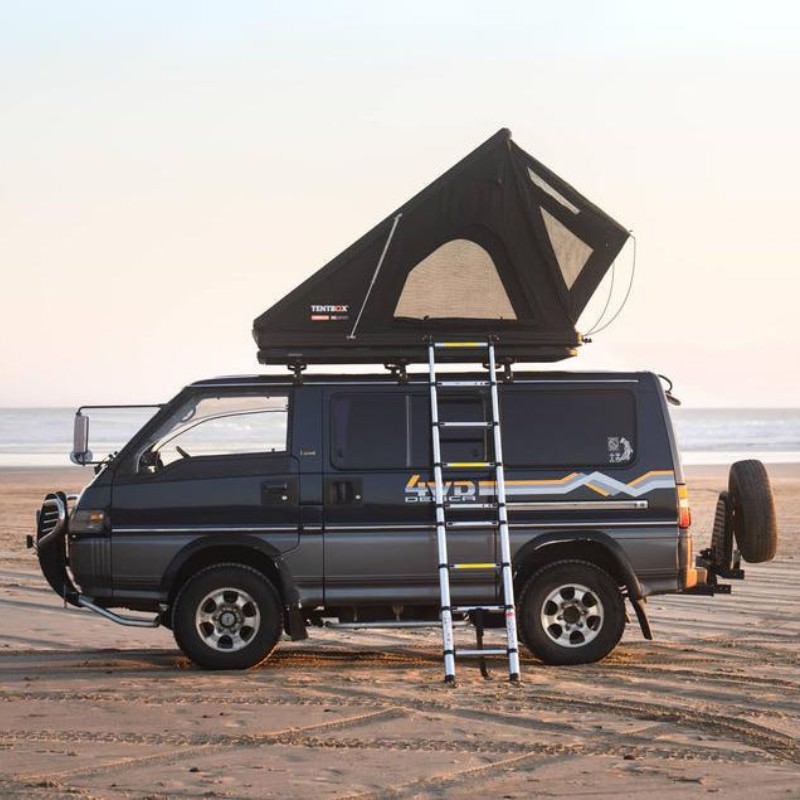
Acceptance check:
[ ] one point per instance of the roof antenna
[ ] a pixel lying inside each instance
(596, 328)
(352, 334)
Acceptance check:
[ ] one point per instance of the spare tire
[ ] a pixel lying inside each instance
(754, 524)
(722, 533)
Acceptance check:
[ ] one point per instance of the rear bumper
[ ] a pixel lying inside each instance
(694, 576)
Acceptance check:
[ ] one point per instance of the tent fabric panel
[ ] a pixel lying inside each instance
(458, 279)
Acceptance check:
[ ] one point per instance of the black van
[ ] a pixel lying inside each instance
(252, 506)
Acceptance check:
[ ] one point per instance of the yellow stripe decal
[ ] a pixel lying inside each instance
(547, 482)
(652, 473)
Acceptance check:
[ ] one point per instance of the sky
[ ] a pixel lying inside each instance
(168, 171)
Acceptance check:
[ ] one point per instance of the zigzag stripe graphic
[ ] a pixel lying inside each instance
(596, 481)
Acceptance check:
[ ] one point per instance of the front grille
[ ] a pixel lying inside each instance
(51, 517)
(48, 519)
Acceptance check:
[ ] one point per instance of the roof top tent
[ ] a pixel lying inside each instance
(498, 246)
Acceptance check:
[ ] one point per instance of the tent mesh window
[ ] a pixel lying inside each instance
(570, 251)
(457, 280)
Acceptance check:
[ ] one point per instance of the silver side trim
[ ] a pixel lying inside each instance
(210, 529)
(417, 527)
(584, 524)
(603, 524)
(580, 505)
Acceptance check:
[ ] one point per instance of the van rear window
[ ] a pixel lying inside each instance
(568, 428)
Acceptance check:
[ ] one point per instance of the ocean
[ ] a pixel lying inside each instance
(42, 437)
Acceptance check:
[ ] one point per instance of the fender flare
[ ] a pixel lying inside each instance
(288, 590)
(593, 538)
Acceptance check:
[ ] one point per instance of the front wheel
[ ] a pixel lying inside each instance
(571, 612)
(228, 616)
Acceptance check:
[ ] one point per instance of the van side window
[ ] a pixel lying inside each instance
(371, 430)
(468, 443)
(568, 428)
(217, 425)
(374, 430)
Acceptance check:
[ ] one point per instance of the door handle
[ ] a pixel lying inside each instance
(273, 491)
(343, 492)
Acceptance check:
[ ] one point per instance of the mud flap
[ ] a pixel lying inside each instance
(641, 615)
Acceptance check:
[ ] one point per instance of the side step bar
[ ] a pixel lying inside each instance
(120, 619)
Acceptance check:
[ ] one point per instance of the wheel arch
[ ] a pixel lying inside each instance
(593, 546)
(240, 549)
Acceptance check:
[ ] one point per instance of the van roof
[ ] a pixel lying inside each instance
(419, 378)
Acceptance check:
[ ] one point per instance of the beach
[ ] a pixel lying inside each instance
(710, 706)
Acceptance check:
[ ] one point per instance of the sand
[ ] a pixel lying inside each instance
(93, 710)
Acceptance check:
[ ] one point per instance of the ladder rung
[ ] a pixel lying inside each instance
(487, 651)
(476, 565)
(470, 506)
(478, 608)
(465, 345)
(473, 523)
(448, 384)
(468, 464)
(465, 424)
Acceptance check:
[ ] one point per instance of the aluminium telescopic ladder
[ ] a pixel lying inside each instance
(500, 524)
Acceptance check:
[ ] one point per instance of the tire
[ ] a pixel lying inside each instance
(754, 523)
(722, 533)
(571, 612)
(227, 616)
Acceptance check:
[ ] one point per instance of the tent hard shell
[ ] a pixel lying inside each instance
(498, 246)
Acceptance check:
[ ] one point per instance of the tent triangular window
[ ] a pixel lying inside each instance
(554, 193)
(570, 252)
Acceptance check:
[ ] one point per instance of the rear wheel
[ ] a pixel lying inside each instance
(227, 616)
(754, 523)
(571, 612)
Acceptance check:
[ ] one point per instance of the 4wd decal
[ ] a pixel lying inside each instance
(329, 312)
(466, 491)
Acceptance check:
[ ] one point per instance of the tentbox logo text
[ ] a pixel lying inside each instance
(329, 312)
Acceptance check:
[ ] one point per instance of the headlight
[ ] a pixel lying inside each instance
(89, 521)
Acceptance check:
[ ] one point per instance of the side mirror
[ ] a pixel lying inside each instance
(80, 454)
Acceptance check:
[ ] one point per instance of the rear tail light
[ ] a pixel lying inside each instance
(684, 512)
